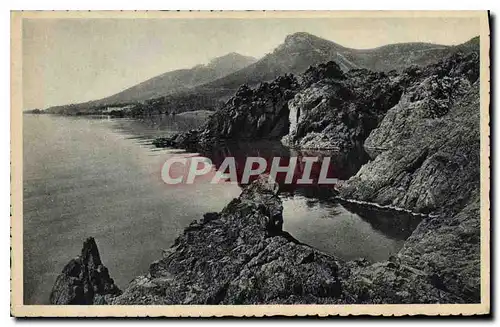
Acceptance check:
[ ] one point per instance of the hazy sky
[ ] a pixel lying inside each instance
(76, 60)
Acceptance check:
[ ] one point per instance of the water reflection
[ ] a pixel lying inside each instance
(311, 213)
(395, 224)
(156, 125)
(338, 228)
(314, 216)
(342, 164)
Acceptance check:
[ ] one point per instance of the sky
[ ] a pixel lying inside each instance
(77, 60)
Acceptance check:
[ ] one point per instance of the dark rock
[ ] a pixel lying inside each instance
(329, 70)
(84, 280)
(428, 161)
(434, 167)
(209, 216)
(253, 113)
(340, 112)
(240, 257)
(430, 96)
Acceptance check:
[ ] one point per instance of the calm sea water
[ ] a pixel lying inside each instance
(101, 177)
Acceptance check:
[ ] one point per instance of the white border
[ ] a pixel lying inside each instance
(151, 5)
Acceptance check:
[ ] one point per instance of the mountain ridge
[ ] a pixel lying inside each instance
(190, 77)
(296, 54)
(173, 81)
(298, 44)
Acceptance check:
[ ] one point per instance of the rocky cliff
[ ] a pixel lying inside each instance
(326, 108)
(258, 113)
(431, 164)
(339, 111)
(336, 110)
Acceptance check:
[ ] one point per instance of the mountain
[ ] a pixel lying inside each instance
(171, 82)
(182, 79)
(327, 108)
(296, 54)
(302, 50)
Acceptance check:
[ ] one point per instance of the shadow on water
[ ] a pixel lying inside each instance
(342, 165)
(311, 213)
(395, 224)
(156, 125)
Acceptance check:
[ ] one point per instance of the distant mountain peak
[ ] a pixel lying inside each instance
(233, 55)
(300, 36)
(174, 81)
(305, 41)
(223, 75)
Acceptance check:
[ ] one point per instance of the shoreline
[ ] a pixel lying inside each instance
(256, 217)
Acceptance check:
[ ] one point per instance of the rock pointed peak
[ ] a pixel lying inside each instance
(90, 252)
(304, 40)
(300, 36)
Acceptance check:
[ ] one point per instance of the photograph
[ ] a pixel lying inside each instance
(250, 163)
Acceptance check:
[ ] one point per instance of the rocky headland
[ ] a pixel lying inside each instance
(420, 127)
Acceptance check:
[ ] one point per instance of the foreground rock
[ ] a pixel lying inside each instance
(84, 280)
(238, 256)
(242, 256)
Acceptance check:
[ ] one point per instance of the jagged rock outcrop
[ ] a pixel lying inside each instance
(238, 256)
(430, 147)
(242, 256)
(327, 108)
(428, 160)
(339, 110)
(322, 109)
(432, 94)
(253, 113)
(259, 113)
(84, 280)
(421, 128)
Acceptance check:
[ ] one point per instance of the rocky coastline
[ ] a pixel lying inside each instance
(421, 130)
(242, 256)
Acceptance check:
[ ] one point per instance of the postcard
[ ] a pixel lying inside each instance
(207, 164)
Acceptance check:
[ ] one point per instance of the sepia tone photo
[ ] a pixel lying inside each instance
(250, 163)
